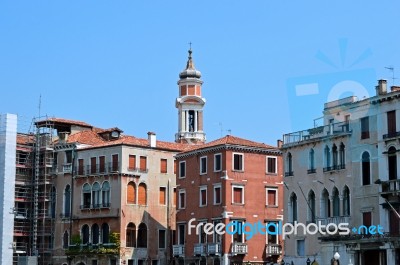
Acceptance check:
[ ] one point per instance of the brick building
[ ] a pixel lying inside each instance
(226, 180)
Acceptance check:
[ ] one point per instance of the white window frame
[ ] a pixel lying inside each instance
(233, 162)
(215, 162)
(179, 200)
(200, 190)
(165, 239)
(180, 171)
(276, 164)
(277, 235)
(297, 247)
(276, 196)
(203, 171)
(214, 193)
(233, 188)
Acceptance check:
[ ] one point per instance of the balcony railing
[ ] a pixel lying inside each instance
(390, 186)
(289, 173)
(335, 220)
(317, 132)
(67, 168)
(311, 170)
(391, 135)
(214, 249)
(199, 249)
(239, 248)
(95, 206)
(97, 169)
(113, 167)
(138, 169)
(273, 249)
(178, 250)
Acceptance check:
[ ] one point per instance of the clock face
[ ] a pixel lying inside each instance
(114, 134)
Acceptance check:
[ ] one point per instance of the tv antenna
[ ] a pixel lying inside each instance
(391, 68)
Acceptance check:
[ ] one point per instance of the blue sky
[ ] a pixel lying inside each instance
(116, 63)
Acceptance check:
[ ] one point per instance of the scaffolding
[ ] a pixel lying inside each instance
(35, 195)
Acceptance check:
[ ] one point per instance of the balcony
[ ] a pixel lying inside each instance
(239, 248)
(178, 250)
(273, 249)
(214, 249)
(390, 135)
(289, 174)
(138, 169)
(113, 167)
(311, 171)
(67, 168)
(199, 249)
(390, 186)
(335, 220)
(334, 129)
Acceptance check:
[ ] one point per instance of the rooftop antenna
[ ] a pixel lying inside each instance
(391, 68)
(40, 103)
(190, 45)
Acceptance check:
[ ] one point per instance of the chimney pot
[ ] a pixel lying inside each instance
(381, 88)
(152, 139)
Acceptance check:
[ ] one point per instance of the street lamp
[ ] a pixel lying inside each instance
(335, 259)
(308, 261)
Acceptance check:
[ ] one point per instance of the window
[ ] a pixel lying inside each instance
(80, 167)
(85, 234)
(65, 240)
(217, 238)
(130, 261)
(163, 166)
(174, 199)
(217, 194)
(367, 222)
(86, 196)
(366, 169)
(238, 194)
(131, 193)
(311, 207)
(203, 165)
(238, 237)
(334, 157)
(182, 199)
(102, 164)
(132, 162)
(105, 233)
(336, 202)
(182, 169)
(272, 235)
(346, 201)
(327, 154)
(293, 208)
(289, 165)
(95, 234)
(272, 197)
(131, 235)
(142, 194)
(392, 163)
(342, 157)
(142, 236)
(143, 164)
(364, 127)
(391, 123)
(105, 194)
(238, 162)
(311, 162)
(68, 156)
(202, 234)
(181, 234)
(203, 196)
(300, 247)
(175, 162)
(217, 162)
(67, 201)
(96, 195)
(115, 163)
(162, 239)
(271, 164)
(93, 161)
(325, 204)
(163, 196)
(94, 262)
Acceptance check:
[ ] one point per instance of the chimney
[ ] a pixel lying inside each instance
(63, 136)
(381, 88)
(279, 143)
(152, 139)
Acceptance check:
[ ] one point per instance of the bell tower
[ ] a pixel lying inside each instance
(190, 105)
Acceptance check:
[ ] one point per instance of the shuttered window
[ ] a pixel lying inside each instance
(131, 193)
(238, 195)
(132, 162)
(163, 195)
(217, 195)
(143, 163)
(203, 196)
(115, 162)
(271, 197)
(271, 164)
(80, 166)
(163, 165)
(238, 162)
(93, 165)
(142, 196)
(102, 162)
(391, 122)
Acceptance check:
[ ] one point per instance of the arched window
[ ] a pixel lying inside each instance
(67, 201)
(311, 206)
(53, 202)
(85, 234)
(131, 235)
(342, 156)
(336, 202)
(142, 236)
(346, 201)
(293, 207)
(311, 161)
(335, 161)
(96, 195)
(392, 163)
(325, 204)
(327, 154)
(86, 196)
(95, 234)
(366, 169)
(105, 190)
(142, 196)
(105, 233)
(289, 165)
(65, 240)
(131, 193)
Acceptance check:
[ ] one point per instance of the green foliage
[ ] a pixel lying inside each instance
(77, 249)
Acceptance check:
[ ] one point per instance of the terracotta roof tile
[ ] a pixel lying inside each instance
(64, 121)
